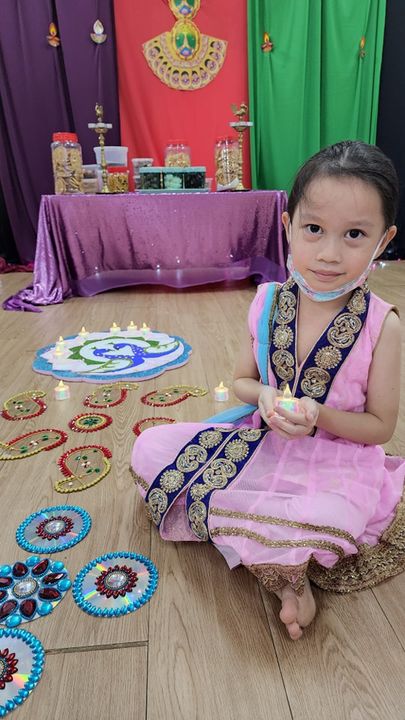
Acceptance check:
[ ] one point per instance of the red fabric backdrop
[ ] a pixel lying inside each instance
(152, 113)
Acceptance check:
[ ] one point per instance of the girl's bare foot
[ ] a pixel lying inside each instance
(297, 611)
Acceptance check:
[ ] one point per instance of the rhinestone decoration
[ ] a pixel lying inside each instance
(53, 529)
(31, 589)
(115, 584)
(83, 467)
(172, 395)
(31, 443)
(22, 660)
(25, 405)
(90, 422)
(146, 423)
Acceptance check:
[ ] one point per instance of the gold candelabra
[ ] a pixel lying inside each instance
(240, 126)
(101, 128)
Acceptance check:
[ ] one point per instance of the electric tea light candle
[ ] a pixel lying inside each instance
(221, 393)
(287, 401)
(62, 391)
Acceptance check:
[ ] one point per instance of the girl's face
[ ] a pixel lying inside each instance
(336, 229)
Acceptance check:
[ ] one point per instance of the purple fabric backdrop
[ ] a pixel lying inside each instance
(91, 243)
(45, 90)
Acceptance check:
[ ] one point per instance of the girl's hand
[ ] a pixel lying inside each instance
(266, 403)
(292, 425)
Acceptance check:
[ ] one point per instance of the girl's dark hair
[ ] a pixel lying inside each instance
(354, 159)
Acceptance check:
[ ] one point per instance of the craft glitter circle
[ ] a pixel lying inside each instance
(31, 589)
(22, 660)
(115, 584)
(90, 422)
(53, 529)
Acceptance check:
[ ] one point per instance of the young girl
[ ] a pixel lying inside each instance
(303, 495)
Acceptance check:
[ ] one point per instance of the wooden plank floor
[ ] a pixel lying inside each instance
(209, 644)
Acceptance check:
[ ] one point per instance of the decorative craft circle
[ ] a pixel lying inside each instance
(90, 422)
(115, 584)
(107, 357)
(22, 660)
(53, 529)
(30, 590)
(146, 423)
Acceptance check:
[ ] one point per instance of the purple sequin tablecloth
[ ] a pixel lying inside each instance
(87, 244)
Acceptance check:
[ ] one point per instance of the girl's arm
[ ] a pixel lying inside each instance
(246, 385)
(377, 424)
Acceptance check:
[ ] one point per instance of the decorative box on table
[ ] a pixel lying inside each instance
(172, 179)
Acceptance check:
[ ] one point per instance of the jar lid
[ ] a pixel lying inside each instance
(64, 137)
(117, 168)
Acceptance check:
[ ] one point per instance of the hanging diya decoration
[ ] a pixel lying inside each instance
(107, 396)
(98, 35)
(32, 443)
(31, 589)
(83, 467)
(267, 46)
(22, 659)
(172, 395)
(24, 406)
(146, 423)
(53, 529)
(53, 38)
(115, 584)
(183, 58)
(90, 422)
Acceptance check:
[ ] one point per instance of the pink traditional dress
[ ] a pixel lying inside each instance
(320, 505)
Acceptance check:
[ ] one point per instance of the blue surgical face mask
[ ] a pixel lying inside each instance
(327, 295)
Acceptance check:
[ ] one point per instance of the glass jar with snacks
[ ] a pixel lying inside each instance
(117, 179)
(67, 163)
(177, 154)
(226, 162)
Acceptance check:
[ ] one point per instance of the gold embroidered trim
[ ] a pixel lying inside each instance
(138, 479)
(273, 312)
(268, 519)
(341, 335)
(371, 565)
(275, 577)
(237, 532)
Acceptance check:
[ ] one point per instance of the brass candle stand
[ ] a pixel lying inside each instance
(101, 128)
(240, 126)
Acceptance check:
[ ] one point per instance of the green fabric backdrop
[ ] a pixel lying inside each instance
(313, 89)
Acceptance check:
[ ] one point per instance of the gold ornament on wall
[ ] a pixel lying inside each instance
(267, 45)
(98, 35)
(52, 38)
(183, 58)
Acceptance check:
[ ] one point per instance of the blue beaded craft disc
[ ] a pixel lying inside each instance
(53, 529)
(22, 660)
(115, 584)
(31, 589)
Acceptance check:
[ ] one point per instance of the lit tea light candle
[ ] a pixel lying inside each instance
(60, 342)
(115, 328)
(62, 391)
(58, 350)
(221, 393)
(288, 401)
(131, 326)
(145, 328)
(83, 332)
